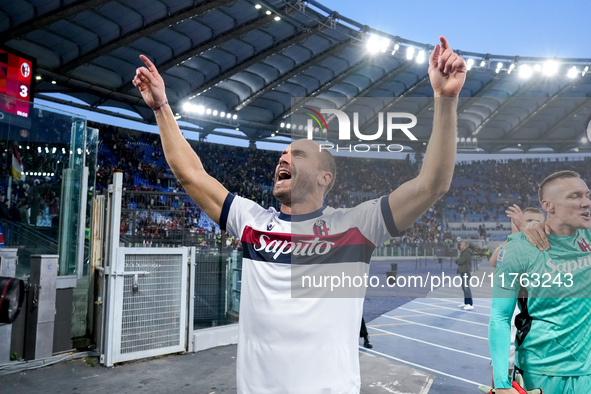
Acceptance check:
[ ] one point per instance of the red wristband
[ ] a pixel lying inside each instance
(156, 108)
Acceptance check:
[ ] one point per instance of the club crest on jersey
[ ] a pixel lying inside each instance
(583, 245)
(500, 257)
(320, 228)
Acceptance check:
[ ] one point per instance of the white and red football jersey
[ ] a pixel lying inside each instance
(301, 340)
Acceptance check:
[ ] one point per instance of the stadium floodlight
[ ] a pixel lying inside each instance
(38, 77)
(200, 109)
(208, 111)
(377, 44)
(384, 44)
(222, 114)
(584, 140)
(572, 72)
(235, 117)
(268, 12)
(229, 115)
(421, 56)
(410, 53)
(289, 126)
(550, 67)
(468, 139)
(474, 140)
(215, 112)
(282, 125)
(482, 63)
(272, 134)
(525, 71)
(499, 67)
(257, 6)
(396, 47)
(469, 63)
(277, 18)
(462, 139)
(538, 68)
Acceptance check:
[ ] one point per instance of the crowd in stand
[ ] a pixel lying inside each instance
(488, 187)
(482, 188)
(249, 173)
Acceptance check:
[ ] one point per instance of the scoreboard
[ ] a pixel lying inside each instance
(16, 82)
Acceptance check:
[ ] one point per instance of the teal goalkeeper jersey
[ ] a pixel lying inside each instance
(554, 327)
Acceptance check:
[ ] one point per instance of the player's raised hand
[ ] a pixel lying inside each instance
(447, 70)
(537, 235)
(516, 215)
(150, 83)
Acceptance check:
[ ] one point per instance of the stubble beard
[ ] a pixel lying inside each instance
(283, 196)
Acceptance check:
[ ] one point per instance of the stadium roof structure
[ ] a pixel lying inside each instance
(249, 59)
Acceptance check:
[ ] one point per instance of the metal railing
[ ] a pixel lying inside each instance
(20, 234)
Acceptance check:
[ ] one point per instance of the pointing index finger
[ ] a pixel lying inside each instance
(148, 63)
(444, 43)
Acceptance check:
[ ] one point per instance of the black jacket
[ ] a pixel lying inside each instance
(464, 261)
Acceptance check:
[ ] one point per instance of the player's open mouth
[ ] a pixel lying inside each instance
(586, 215)
(283, 176)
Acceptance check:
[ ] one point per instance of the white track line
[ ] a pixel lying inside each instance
(437, 328)
(455, 302)
(421, 366)
(431, 344)
(444, 317)
(451, 309)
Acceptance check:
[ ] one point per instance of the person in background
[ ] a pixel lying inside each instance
(464, 262)
(553, 340)
(519, 220)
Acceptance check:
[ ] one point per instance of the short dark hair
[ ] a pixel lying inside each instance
(328, 163)
(557, 175)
